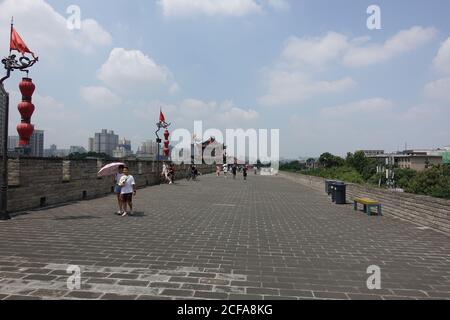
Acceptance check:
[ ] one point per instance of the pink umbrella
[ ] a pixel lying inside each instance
(110, 169)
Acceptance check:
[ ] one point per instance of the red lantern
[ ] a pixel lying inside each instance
(27, 87)
(26, 109)
(166, 151)
(25, 131)
(166, 143)
(166, 134)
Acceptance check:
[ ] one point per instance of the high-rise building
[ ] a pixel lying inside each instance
(48, 153)
(148, 149)
(37, 144)
(123, 150)
(91, 144)
(106, 142)
(126, 144)
(13, 142)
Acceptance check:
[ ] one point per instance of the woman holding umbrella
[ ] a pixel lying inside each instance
(116, 171)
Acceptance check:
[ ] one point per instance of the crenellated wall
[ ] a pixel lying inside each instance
(423, 210)
(37, 182)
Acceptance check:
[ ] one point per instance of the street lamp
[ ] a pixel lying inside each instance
(11, 63)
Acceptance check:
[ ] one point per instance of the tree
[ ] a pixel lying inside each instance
(403, 177)
(366, 167)
(292, 166)
(434, 182)
(329, 160)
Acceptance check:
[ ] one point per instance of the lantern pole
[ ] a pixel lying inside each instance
(10, 63)
(160, 125)
(158, 141)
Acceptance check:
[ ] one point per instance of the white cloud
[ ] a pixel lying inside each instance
(235, 115)
(44, 29)
(290, 88)
(403, 42)
(232, 8)
(100, 97)
(314, 51)
(222, 113)
(279, 4)
(295, 77)
(133, 71)
(357, 52)
(214, 114)
(236, 8)
(372, 106)
(442, 60)
(438, 90)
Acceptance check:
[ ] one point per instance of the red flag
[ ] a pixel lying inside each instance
(18, 44)
(162, 119)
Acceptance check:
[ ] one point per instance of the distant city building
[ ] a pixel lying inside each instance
(125, 144)
(105, 142)
(13, 142)
(77, 149)
(121, 152)
(51, 152)
(148, 150)
(37, 144)
(371, 153)
(418, 160)
(61, 153)
(91, 144)
(54, 152)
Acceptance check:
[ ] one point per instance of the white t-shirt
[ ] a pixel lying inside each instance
(127, 183)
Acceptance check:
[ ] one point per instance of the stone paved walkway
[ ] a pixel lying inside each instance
(267, 238)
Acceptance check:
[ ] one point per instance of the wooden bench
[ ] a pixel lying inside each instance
(368, 205)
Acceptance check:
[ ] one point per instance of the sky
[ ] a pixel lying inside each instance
(310, 68)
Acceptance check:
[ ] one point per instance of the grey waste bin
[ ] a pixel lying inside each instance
(333, 185)
(340, 193)
(328, 184)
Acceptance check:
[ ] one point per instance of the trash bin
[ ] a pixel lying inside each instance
(332, 188)
(340, 193)
(328, 186)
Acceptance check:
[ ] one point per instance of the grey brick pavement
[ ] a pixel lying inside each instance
(267, 238)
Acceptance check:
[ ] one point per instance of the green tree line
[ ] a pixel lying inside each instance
(357, 168)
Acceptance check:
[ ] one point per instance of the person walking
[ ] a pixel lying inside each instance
(117, 188)
(165, 172)
(234, 171)
(218, 171)
(244, 172)
(225, 170)
(128, 190)
(171, 174)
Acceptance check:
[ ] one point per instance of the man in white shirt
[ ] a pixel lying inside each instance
(128, 190)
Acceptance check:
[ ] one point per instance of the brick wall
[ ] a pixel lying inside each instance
(425, 211)
(36, 182)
